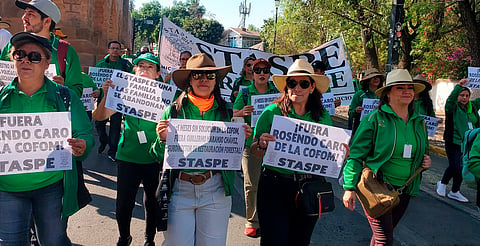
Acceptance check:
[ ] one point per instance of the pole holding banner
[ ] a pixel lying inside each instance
(396, 20)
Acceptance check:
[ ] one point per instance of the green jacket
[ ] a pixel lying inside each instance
(264, 125)
(474, 157)
(191, 112)
(421, 108)
(88, 82)
(240, 81)
(357, 101)
(457, 117)
(121, 64)
(129, 147)
(374, 144)
(72, 64)
(48, 99)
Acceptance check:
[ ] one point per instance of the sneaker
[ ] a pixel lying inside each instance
(112, 158)
(252, 232)
(457, 196)
(441, 189)
(124, 241)
(101, 148)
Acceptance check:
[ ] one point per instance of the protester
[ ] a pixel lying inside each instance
(461, 114)
(371, 81)
(40, 17)
(143, 50)
(135, 164)
(281, 222)
(201, 199)
(49, 197)
(114, 61)
(393, 142)
(251, 165)
(245, 79)
(184, 56)
(128, 54)
(88, 83)
(4, 34)
(319, 67)
(423, 101)
(473, 163)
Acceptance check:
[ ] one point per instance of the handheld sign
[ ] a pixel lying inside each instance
(8, 73)
(473, 78)
(432, 124)
(87, 99)
(306, 147)
(327, 102)
(200, 144)
(99, 75)
(138, 96)
(259, 103)
(368, 106)
(35, 142)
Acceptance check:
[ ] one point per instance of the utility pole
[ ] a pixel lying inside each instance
(395, 33)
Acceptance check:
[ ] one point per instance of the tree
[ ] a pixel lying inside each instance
(471, 22)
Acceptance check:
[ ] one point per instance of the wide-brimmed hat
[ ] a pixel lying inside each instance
(4, 24)
(47, 7)
(400, 77)
(198, 62)
(301, 67)
(420, 78)
(147, 57)
(32, 37)
(370, 73)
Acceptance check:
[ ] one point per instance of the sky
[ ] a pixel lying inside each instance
(227, 11)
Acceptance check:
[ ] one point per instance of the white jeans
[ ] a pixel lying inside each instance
(198, 214)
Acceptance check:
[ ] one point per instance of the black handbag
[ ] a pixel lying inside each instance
(317, 197)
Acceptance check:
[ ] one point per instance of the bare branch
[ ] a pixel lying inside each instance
(361, 24)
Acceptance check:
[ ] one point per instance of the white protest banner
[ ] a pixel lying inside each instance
(432, 124)
(35, 142)
(327, 102)
(306, 147)
(99, 75)
(8, 73)
(173, 40)
(473, 78)
(201, 144)
(87, 99)
(138, 96)
(259, 103)
(368, 106)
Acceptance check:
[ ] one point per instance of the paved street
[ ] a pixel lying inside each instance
(430, 220)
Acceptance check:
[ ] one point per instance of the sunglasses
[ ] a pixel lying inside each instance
(304, 84)
(33, 57)
(258, 70)
(199, 74)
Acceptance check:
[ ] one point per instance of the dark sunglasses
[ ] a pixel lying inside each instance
(258, 70)
(198, 74)
(304, 84)
(33, 57)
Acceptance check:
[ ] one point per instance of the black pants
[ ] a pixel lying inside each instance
(128, 180)
(113, 134)
(478, 191)
(455, 165)
(281, 222)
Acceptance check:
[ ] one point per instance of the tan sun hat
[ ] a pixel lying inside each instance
(4, 25)
(370, 73)
(400, 77)
(301, 67)
(198, 62)
(420, 78)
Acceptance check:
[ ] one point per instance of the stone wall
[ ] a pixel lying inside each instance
(89, 24)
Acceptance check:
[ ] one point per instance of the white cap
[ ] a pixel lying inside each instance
(47, 7)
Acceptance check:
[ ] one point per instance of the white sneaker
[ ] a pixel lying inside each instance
(457, 196)
(441, 189)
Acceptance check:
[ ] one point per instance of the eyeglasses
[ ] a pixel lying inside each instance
(258, 70)
(199, 74)
(33, 57)
(115, 48)
(304, 84)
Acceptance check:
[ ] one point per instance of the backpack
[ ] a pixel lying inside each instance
(467, 142)
(62, 56)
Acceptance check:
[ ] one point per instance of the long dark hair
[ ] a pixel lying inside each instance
(384, 100)
(222, 105)
(365, 84)
(424, 97)
(314, 102)
(245, 61)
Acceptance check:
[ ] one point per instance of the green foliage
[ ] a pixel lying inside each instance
(207, 30)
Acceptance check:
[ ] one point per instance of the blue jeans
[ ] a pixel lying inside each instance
(45, 205)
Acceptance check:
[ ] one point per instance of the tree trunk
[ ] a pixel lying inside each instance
(406, 60)
(467, 17)
(368, 42)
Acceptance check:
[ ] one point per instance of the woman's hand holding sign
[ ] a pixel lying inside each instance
(106, 85)
(248, 131)
(264, 139)
(162, 127)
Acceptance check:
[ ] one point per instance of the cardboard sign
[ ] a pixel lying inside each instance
(87, 99)
(259, 103)
(473, 78)
(328, 103)
(368, 106)
(431, 123)
(99, 75)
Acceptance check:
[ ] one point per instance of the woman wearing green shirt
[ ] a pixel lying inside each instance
(392, 141)
(281, 222)
(245, 79)
(135, 164)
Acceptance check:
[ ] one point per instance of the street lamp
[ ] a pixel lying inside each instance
(277, 3)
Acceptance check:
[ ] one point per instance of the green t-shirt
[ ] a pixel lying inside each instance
(264, 124)
(129, 147)
(240, 81)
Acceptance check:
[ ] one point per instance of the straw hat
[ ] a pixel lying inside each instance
(370, 73)
(302, 68)
(4, 25)
(400, 77)
(423, 80)
(198, 62)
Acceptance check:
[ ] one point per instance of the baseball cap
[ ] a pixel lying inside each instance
(31, 37)
(148, 57)
(261, 61)
(47, 7)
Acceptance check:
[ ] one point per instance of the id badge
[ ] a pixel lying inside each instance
(470, 125)
(141, 137)
(407, 151)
